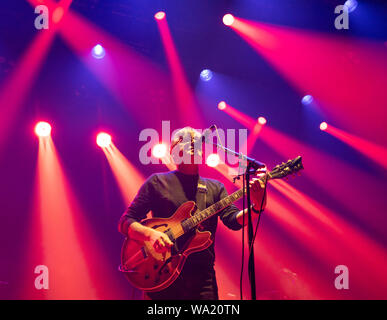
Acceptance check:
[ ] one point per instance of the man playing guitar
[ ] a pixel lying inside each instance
(163, 193)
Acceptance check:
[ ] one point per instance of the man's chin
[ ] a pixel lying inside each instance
(194, 160)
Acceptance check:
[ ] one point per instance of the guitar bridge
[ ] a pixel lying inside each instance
(165, 263)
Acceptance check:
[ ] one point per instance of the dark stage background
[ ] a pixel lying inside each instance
(60, 202)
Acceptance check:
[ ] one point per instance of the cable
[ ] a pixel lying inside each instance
(243, 241)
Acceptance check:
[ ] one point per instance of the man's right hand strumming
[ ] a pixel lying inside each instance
(159, 240)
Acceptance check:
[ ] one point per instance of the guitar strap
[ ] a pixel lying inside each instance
(201, 202)
(201, 195)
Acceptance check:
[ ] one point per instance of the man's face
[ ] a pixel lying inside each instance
(189, 148)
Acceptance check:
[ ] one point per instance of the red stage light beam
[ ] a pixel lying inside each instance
(324, 169)
(189, 114)
(371, 150)
(351, 71)
(242, 118)
(20, 82)
(17, 86)
(252, 138)
(127, 176)
(129, 76)
(341, 239)
(248, 122)
(69, 274)
(272, 257)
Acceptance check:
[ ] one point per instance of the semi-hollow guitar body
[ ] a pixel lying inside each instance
(151, 271)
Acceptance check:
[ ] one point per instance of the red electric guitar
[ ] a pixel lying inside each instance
(151, 271)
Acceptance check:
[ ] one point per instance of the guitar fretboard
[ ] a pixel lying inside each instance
(192, 222)
(279, 171)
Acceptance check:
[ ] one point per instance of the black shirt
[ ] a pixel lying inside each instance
(163, 193)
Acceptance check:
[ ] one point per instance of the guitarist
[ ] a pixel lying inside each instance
(163, 193)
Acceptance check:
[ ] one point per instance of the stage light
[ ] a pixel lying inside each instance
(43, 129)
(323, 126)
(57, 14)
(222, 105)
(98, 51)
(160, 15)
(206, 75)
(228, 19)
(213, 160)
(104, 140)
(262, 121)
(159, 150)
(306, 100)
(351, 5)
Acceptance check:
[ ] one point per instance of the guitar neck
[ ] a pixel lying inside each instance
(207, 213)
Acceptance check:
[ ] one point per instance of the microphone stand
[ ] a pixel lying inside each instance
(252, 166)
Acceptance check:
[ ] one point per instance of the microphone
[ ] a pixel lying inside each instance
(253, 163)
(206, 132)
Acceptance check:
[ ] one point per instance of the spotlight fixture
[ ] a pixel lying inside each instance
(262, 121)
(104, 139)
(213, 160)
(222, 105)
(228, 19)
(307, 100)
(323, 126)
(98, 51)
(351, 5)
(160, 15)
(159, 150)
(43, 129)
(206, 75)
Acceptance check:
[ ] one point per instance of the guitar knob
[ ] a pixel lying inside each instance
(146, 276)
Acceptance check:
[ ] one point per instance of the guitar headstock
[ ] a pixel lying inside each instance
(287, 168)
